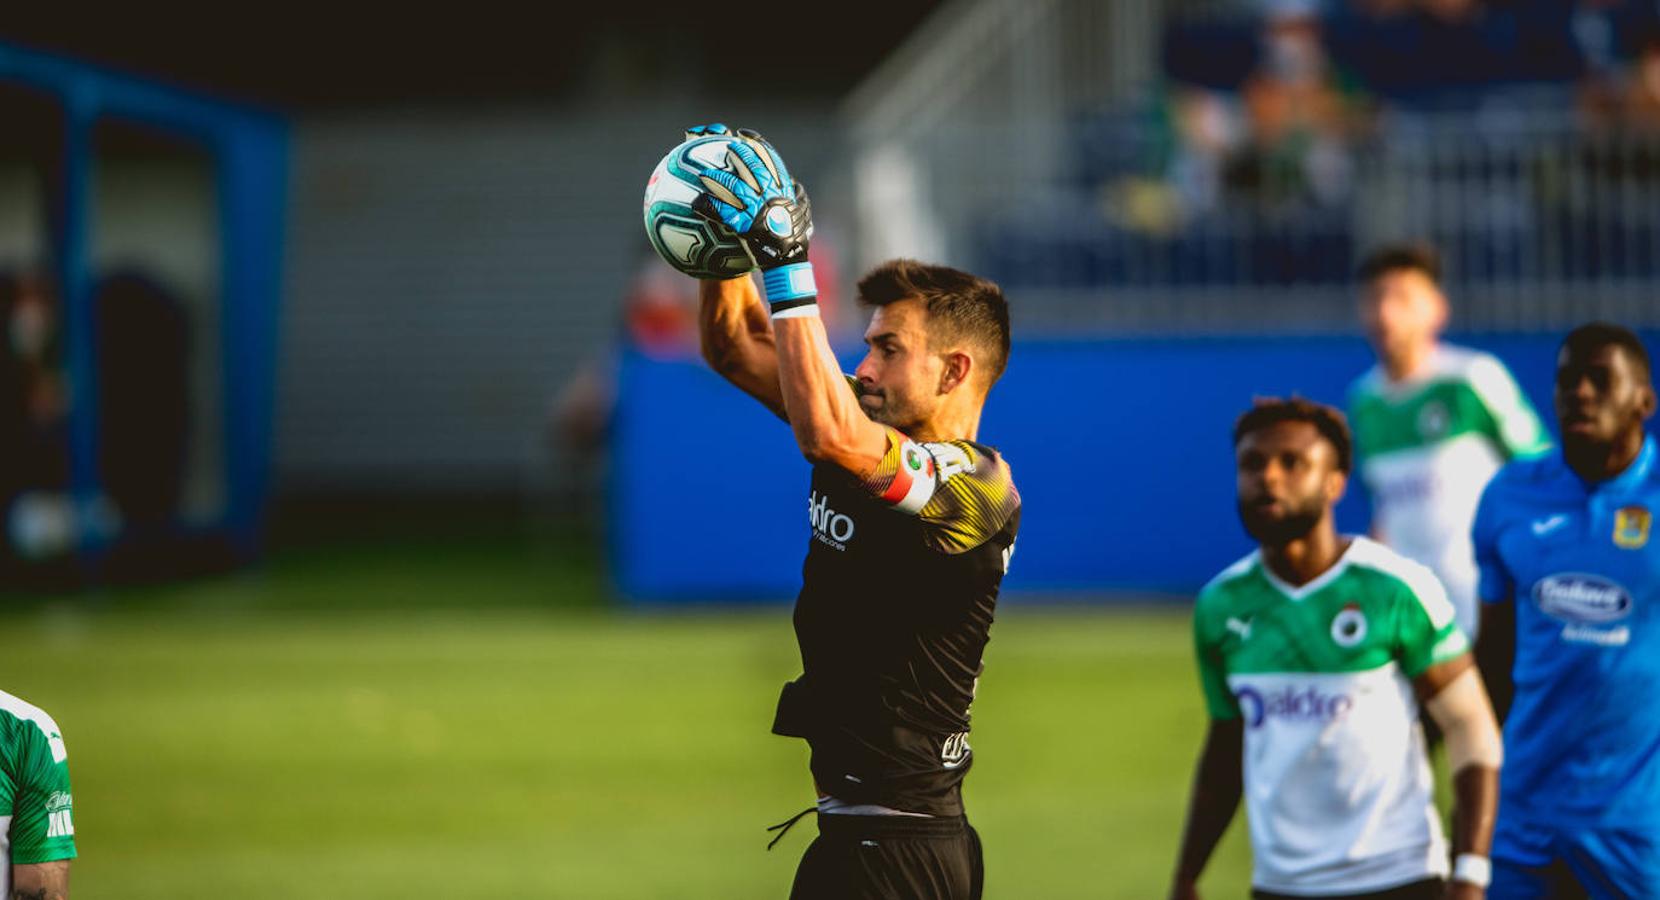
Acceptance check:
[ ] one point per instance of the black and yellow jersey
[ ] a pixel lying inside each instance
(898, 590)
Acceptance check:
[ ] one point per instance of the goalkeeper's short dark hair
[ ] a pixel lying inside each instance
(1402, 257)
(961, 307)
(1327, 420)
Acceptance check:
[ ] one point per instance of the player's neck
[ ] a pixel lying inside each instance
(1410, 363)
(1301, 561)
(959, 423)
(1596, 463)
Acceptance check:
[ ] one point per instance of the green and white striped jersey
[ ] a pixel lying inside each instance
(1428, 445)
(36, 824)
(1338, 788)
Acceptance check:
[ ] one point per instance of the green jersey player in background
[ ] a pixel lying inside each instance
(1432, 422)
(37, 832)
(1314, 653)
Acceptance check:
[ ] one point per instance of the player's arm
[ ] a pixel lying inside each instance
(1496, 655)
(1218, 779)
(1453, 694)
(1517, 429)
(756, 197)
(42, 831)
(737, 340)
(1436, 656)
(1495, 589)
(1217, 787)
(40, 881)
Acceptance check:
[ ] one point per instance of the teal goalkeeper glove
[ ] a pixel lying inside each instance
(754, 195)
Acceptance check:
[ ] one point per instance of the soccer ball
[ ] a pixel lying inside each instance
(687, 241)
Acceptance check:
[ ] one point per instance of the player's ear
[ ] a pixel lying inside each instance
(1646, 400)
(958, 367)
(1337, 482)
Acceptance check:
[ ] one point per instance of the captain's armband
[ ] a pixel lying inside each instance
(907, 476)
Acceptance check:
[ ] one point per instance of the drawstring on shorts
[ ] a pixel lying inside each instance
(784, 827)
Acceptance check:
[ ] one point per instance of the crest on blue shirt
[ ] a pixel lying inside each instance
(1631, 526)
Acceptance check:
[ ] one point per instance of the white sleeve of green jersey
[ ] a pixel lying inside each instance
(1517, 427)
(1428, 633)
(34, 785)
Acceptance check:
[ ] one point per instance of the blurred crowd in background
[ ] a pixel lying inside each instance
(1267, 111)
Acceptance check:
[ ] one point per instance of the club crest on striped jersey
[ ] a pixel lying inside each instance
(1348, 627)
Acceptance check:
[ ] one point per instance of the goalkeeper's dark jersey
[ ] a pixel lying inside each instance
(901, 578)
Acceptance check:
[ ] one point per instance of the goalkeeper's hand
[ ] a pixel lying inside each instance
(754, 195)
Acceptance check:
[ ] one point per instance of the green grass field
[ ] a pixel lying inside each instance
(468, 720)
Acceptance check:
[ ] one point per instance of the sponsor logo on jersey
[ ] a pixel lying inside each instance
(1241, 627)
(60, 824)
(1602, 637)
(831, 528)
(1291, 704)
(955, 750)
(1631, 526)
(1579, 598)
(1348, 627)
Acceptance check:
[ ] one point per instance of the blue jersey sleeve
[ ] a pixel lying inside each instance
(1496, 584)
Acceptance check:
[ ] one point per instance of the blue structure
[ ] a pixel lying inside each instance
(1121, 450)
(249, 152)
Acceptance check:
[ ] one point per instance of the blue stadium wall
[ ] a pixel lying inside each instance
(1120, 448)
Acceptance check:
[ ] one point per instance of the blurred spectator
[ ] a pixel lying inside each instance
(1294, 151)
(34, 483)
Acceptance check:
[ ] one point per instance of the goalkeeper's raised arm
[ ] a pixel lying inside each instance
(791, 368)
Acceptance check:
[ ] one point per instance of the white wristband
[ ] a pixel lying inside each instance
(1472, 869)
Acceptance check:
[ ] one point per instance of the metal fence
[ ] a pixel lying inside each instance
(1541, 223)
(1029, 141)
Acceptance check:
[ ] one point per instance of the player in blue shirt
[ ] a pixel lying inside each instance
(1570, 636)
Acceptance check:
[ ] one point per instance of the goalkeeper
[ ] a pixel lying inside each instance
(912, 526)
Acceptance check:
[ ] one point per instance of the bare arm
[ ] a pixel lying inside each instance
(829, 424)
(1453, 694)
(40, 881)
(1496, 654)
(1217, 786)
(737, 339)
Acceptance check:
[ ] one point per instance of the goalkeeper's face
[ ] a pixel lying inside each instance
(902, 381)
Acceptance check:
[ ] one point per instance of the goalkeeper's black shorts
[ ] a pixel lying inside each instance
(891, 857)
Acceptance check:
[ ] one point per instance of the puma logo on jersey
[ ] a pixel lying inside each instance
(1241, 627)
(830, 528)
(1542, 527)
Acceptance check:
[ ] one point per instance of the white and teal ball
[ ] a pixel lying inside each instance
(687, 241)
